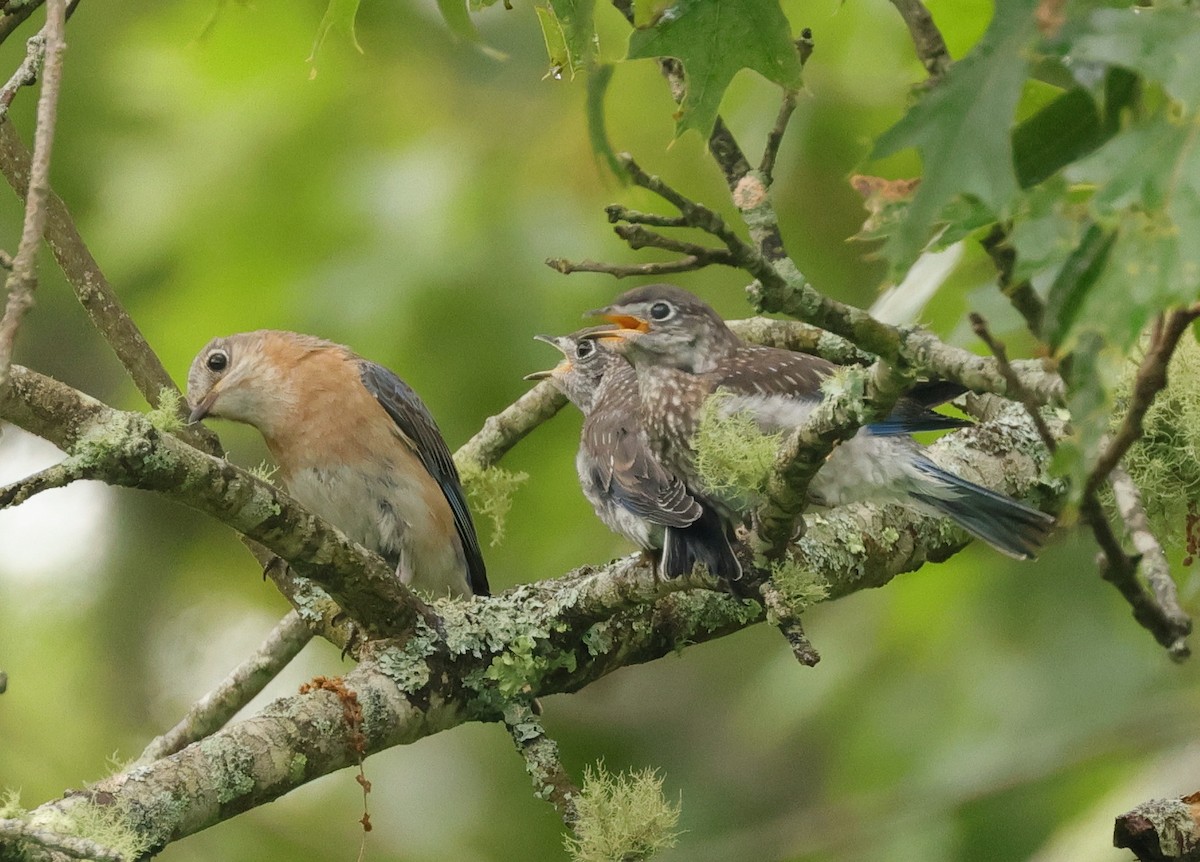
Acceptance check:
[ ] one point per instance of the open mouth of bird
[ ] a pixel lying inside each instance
(628, 321)
(559, 370)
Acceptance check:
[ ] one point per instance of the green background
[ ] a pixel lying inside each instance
(402, 202)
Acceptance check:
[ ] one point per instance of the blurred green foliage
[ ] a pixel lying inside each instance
(402, 201)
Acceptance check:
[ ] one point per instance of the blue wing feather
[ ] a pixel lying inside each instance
(408, 411)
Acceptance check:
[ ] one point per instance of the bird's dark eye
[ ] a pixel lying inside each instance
(584, 349)
(661, 311)
(217, 360)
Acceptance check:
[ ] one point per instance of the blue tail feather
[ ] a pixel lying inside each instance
(1008, 525)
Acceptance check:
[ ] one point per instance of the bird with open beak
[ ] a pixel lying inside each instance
(683, 352)
(354, 445)
(630, 491)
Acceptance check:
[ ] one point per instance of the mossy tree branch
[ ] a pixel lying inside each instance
(537, 639)
(125, 449)
(863, 396)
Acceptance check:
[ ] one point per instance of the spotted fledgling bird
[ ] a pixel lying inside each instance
(683, 352)
(354, 445)
(621, 477)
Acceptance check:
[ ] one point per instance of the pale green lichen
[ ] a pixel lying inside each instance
(523, 665)
(1165, 462)
(798, 585)
(168, 415)
(490, 492)
(622, 817)
(408, 667)
(733, 456)
(706, 611)
(296, 767)
(113, 827)
(599, 638)
(10, 804)
(264, 471)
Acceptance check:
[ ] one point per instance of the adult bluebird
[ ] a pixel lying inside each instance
(683, 352)
(354, 445)
(629, 489)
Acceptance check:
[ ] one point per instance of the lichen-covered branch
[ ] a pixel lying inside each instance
(22, 279)
(508, 427)
(56, 476)
(1016, 387)
(795, 335)
(126, 449)
(863, 396)
(26, 74)
(541, 638)
(787, 620)
(1154, 566)
(244, 682)
(551, 781)
(1161, 830)
(55, 845)
(1156, 609)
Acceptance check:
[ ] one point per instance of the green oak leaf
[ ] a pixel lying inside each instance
(1147, 182)
(570, 33)
(959, 128)
(1161, 43)
(715, 39)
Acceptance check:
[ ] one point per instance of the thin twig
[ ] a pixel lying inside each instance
(617, 213)
(927, 38)
(551, 781)
(26, 74)
(69, 846)
(1120, 570)
(508, 427)
(1154, 565)
(639, 237)
(787, 106)
(1163, 619)
(1021, 294)
(788, 622)
(15, 14)
(56, 476)
(627, 270)
(1016, 389)
(1150, 379)
(22, 281)
(699, 216)
(244, 682)
(775, 137)
(94, 291)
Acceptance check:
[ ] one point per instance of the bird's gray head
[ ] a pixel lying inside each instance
(584, 364)
(665, 325)
(243, 377)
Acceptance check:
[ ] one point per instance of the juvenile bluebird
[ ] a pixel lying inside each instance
(354, 445)
(683, 352)
(631, 492)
